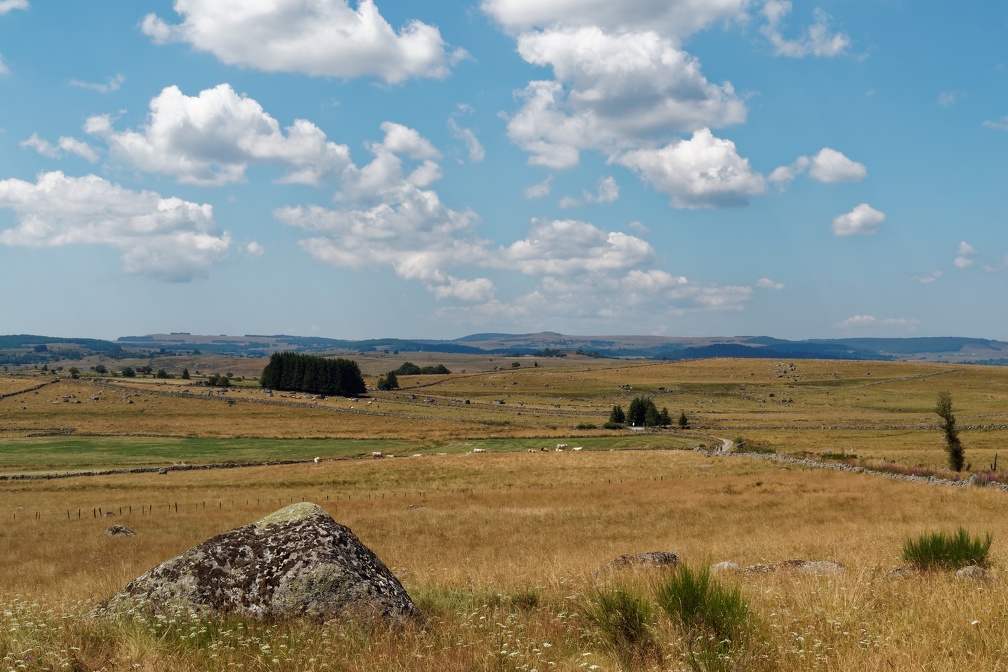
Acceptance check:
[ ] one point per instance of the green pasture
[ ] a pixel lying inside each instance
(61, 454)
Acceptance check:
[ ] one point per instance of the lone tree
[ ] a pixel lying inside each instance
(947, 422)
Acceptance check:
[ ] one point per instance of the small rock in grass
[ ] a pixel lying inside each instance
(643, 560)
(972, 572)
(120, 531)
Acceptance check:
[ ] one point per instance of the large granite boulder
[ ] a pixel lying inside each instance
(295, 562)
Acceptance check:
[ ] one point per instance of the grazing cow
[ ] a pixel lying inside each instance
(479, 450)
(377, 455)
(577, 448)
(561, 446)
(316, 460)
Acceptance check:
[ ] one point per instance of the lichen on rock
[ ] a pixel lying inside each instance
(295, 562)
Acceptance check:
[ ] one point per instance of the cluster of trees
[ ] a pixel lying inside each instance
(390, 381)
(294, 372)
(218, 380)
(643, 413)
(411, 369)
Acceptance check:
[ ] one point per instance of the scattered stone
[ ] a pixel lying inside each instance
(295, 562)
(905, 570)
(120, 531)
(644, 560)
(726, 567)
(815, 567)
(416, 506)
(822, 567)
(972, 572)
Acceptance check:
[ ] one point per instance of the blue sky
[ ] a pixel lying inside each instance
(391, 168)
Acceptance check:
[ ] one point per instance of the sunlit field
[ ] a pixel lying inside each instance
(505, 551)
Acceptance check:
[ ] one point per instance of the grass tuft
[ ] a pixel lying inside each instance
(626, 622)
(937, 550)
(714, 619)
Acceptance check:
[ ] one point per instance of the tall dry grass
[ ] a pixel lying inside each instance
(504, 556)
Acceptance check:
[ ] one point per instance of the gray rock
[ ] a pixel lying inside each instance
(295, 562)
(726, 567)
(972, 572)
(822, 567)
(644, 560)
(815, 567)
(120, 531)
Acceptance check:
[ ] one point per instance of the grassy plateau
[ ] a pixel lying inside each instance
(508, 551)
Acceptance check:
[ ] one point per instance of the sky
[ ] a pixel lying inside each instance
(384, 168)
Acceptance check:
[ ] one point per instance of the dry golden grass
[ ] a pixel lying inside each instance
(503, 556)
(505, 550)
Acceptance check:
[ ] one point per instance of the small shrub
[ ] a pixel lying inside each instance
(586, 425)
(613, 425)
(625, 622)
(938, 550)
(700, 604)
(714, 620)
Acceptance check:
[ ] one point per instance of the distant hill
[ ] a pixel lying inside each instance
(19, 350)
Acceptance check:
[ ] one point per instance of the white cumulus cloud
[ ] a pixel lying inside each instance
(704, 171)
(997, 124)
(325, 38)
(539, 189)
(964, 257)
(473, 146)
(612, 92)
(387, 217)
(767, 283)
(831, 166)
(863, 220)
(817, 40)
(928, 279)
(570, 247)
(8, 5)
(110, 84)
(672, 17)
(607, 191)
(163, 238)
(65, 145)
(827, 166)
(211, 139)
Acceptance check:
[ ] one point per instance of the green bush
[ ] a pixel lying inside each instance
(714, 621)
(625, 621)
(937, 550)
(702, 605)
